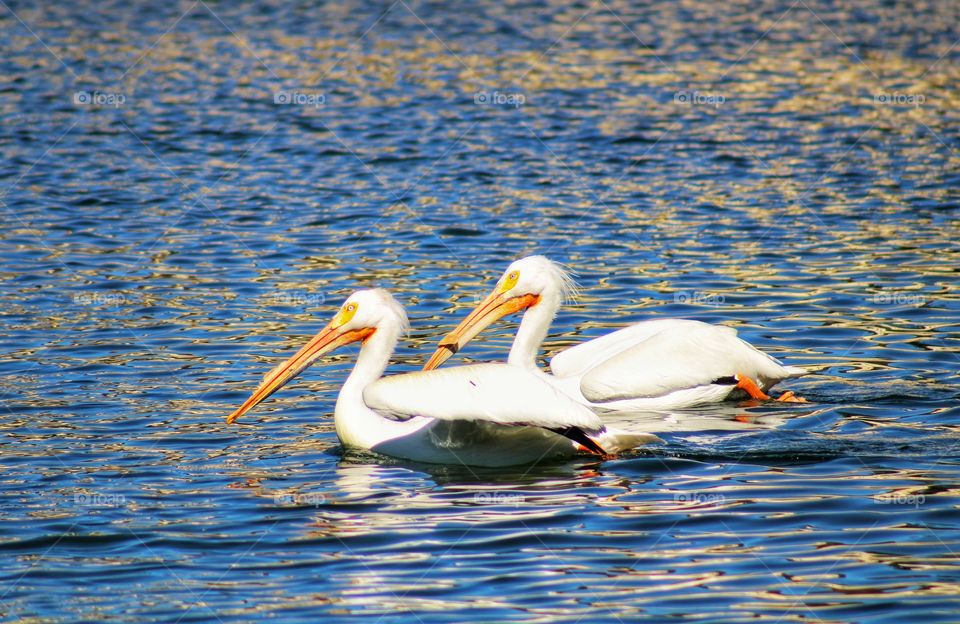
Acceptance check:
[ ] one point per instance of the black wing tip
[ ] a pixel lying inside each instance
(577, 435)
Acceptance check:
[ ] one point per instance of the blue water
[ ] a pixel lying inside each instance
(189, 190)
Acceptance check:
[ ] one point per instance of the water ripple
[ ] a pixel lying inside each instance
(788, 170)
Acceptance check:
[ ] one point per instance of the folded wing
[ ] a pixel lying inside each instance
(496, 393)
(679, 355)
(580, 358)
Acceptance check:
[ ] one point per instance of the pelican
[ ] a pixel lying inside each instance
(651, 365)
(481, 415)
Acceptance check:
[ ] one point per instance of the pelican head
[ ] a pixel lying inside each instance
(364, 313)
(528, 282)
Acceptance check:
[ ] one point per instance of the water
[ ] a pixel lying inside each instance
(170, 232)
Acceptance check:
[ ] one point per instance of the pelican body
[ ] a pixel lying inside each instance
(482, 415)
(651, 365)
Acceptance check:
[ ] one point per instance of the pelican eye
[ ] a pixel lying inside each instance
(510, 281)
(346, 313)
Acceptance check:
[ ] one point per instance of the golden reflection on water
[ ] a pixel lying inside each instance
(692, 198)
(408, 515)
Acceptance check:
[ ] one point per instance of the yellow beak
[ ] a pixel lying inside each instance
(491, 309)
(327, 340)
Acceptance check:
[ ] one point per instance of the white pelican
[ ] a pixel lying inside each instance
(482, 415)
(651, 365)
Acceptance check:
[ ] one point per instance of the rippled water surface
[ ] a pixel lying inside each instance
(189, 189)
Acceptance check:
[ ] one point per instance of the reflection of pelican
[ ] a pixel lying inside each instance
(487, 414)
(660, 364)
(715, 418)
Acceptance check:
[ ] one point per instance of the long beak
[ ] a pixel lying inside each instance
(327, 340)
(491, 309)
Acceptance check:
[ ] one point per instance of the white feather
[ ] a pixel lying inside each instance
(495, 393)
(670, 355)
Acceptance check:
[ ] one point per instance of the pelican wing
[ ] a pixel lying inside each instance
(678, 355)
(580, 358)
(497, 393)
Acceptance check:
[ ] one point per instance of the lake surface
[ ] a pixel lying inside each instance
(189, 190)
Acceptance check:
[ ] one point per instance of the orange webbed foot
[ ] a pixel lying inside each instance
(790, 397)
(750, 387)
